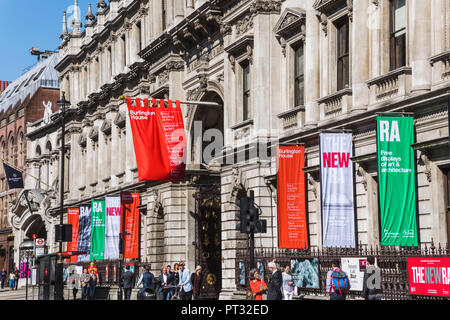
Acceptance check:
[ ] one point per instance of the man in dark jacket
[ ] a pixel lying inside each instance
(274, 287)
(127, 278)
(147, 279)
(372, 281)
(3, 278)
(165, 279)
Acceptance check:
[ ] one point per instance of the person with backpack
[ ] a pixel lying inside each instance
(338, 283)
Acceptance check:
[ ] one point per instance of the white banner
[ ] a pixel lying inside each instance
(338, 214)
(112, 228)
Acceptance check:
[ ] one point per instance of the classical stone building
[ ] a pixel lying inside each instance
(282, 71)
(23, 101)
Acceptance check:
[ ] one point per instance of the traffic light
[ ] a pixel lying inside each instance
(242, 214)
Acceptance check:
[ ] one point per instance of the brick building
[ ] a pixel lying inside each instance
(23, 101)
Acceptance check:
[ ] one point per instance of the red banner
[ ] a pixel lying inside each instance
(129, 207)
(159, 140)
(292, 226)
(73, 218)
(429, 276)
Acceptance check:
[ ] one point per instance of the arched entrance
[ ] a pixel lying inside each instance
(210, 122)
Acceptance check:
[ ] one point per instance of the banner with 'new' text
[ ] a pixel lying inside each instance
(112, 228)
(396, 181)
(336, 168)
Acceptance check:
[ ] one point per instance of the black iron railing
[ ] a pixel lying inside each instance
(393, 262)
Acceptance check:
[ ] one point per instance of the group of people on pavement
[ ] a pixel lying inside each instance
(281, 285)
(87, 281)
(13, 279)
(177, 283)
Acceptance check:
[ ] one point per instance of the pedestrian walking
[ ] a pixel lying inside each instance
(165, 280)
(372, 281)
(3, 277)
(288, 283)
(12, 281)
(185, 282)
(197, 283)
(275, 283)
(84, 282)
(16, 278)
(93, 280)
(74, 283)
(257, 285)
(147, 279)
(338, 283)
(127, 279)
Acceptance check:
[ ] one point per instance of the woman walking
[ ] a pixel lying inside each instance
(257, 285)
(74, 281)
(288, 284)
(12, 281)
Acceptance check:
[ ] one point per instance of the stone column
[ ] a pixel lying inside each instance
(170, 7)
(157, 18)
(134, 44)
(189, 7)
(360, 56)
(419, 40)
(312, 68)
(179, 11)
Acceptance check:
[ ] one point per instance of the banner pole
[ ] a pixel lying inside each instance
(200, 103)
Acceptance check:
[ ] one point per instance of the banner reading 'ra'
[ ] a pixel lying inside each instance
(98, 230)
(396, 181)
(159, 140)
(338, 213)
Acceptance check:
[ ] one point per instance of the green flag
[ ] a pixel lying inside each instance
(98, 230)
(396, 181)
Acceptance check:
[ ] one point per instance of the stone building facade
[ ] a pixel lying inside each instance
(282, 70)
(23, 101)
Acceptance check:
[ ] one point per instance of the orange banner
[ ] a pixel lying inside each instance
(129, 208)
(73, 218)
(292, 224)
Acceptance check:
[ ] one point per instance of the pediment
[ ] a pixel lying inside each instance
(329, 6)
(93, 134)
(120, 119)
(106, 126)
(82, 140)
(291, 20)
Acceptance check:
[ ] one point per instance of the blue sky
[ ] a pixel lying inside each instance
(31, 23)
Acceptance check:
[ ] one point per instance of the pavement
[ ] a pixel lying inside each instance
(6, 294)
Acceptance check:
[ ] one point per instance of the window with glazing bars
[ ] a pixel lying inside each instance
(397, 34)
(343, 54)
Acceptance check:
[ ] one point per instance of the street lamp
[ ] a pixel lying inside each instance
(59, 266)
(27, 247)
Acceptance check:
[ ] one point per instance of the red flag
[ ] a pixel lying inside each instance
(159, 141)
(292, 228)
(73, 218)
(129, 207)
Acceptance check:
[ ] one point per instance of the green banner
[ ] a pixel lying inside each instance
(98, 230)
(396, 181)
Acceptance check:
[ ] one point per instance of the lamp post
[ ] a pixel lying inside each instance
(59, 266)
(27, 246)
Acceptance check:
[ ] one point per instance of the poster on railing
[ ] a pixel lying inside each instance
(129, 208)
(112, 228)
(336, 168)
(429, 276)
(305, 272)
(98, 230)
(73, 219)
(159, 140)
(355, 268)
(396, 181)
(84, 233)
(292, 224)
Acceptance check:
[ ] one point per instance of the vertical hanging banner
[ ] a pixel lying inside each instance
(84, 234)
(292, 225)
(336, 168)
(396, 181)
(159, 140)
(112, 228)
(73, 219)
(130, 210)
(98, 230)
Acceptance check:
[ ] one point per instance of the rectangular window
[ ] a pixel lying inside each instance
(343, 54)
(124, 52)
(299, 80)
(398, 34)
(246, 90)
(139, 36)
